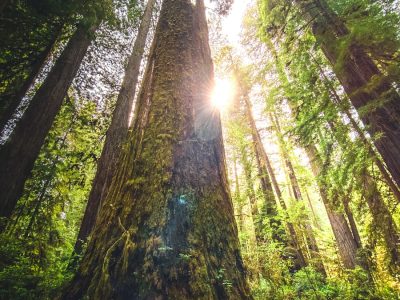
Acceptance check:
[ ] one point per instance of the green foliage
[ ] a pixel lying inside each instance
(37, 245)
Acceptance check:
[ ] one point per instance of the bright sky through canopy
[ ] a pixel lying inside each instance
(232, 24)
(223, 93)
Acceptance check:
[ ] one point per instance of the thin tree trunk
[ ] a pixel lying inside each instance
(166, 228)
(13, 100)
(251, 194)
(352, 222)
(19, 153)
(345, 241)
(266, 176)
(311, 206)
(237, 195)
(311, 241)
(117, 133)
(365, 85)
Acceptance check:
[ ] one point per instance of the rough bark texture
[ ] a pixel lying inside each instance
(166, 229)
(10, 101)
(18, 154)
(345, 241)
(371, 93)
(117, 132)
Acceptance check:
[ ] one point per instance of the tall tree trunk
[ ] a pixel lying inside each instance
(311, 240)
(166, 228)
(352, 222)
(345, 241)
(340, 103)
(19, 153)
(250, 192)
(237, 195)
(266, 172)
(117, 133)
(370, 91)
(11, 101)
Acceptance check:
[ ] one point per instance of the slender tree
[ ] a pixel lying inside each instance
(117, 132)
(12, 99)
(310, 236)
(268, 180)
(18, 154)
(166, 228)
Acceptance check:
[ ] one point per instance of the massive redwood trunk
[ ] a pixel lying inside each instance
(369, 90)
(19, 153)
(166, 229)
(117, 132)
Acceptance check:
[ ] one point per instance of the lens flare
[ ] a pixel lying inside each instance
(223, 93)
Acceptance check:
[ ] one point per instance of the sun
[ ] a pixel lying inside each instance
(223, 93)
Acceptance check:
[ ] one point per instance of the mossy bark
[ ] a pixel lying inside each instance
(117, 132)
(167, 229)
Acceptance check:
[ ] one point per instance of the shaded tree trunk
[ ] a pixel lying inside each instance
(166, 229)
(352, 222)
(11, 101)
(117, 133)
(19, 153)
(3, 4)
(370, 91)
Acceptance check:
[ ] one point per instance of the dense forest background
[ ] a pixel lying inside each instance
(132, 166)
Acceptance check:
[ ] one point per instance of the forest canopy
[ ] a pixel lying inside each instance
(199, 149)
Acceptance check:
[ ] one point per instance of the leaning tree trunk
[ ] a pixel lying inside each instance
(370, 91)
(11, 100)
(19, 153)
(117, 132)
(166, 228)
